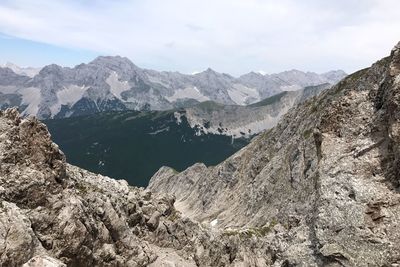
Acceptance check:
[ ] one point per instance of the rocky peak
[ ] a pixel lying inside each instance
(395, 64)
(319, 189)
(104, 66)
(55, 214)
(6, 71)
(334, 75)
(393, 107)
(209, 74)
(26, 144)
(210, 71)
(252, 74)
(26, 71)
(112, 83)
(52, 69)
(327, 175)
(253, 79)
(113, 62)
(9, 77)
(292, 71)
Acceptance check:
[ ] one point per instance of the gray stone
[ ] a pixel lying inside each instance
(319, 189)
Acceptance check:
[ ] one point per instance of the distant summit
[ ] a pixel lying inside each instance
(27, 71)
(114, 83)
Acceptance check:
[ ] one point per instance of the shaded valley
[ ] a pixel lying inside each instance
(133, 145)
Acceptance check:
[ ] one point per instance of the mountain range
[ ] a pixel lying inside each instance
(133, 145)
(115, 84)
(321, 188)
(25, 71)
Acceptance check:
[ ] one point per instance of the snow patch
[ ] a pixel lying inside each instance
(189, 92)
(116, 86)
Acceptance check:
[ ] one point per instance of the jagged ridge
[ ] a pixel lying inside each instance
(328, 173)
(321, 188)
(53, 214)
(115, 84)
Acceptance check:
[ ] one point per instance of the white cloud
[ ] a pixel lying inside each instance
(233, 36)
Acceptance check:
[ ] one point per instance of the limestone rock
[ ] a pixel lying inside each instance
(321, 187)
(56, 214)
(43, 261)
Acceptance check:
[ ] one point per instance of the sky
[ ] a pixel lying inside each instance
(231, 36)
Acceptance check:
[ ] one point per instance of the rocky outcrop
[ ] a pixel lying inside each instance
(56, 214)
(325, 179)
(245, 121)
(319, 189)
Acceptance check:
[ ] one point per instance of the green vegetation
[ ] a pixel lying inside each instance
(314, 107)
(209, 106)
(133, 145)
(174, 215)
(313, 89)
(348, 81)
(307, 133)
(175, 171)
(83, 189)
(266, 133)
(250, 232)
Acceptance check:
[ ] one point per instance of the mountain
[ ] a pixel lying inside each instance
(53, 214)
(245, 121)
(319, 189)
(327, 175)
(268, 85)
(25, 71)
(115, 84)
(133, 145)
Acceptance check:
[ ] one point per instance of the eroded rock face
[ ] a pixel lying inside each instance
(325, 179)
(319, 189)
(43, 261)
(55, 214)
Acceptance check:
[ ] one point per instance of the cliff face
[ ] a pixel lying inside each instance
(319, 189)
(245, 121)
(55, 214)
(327, 177)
